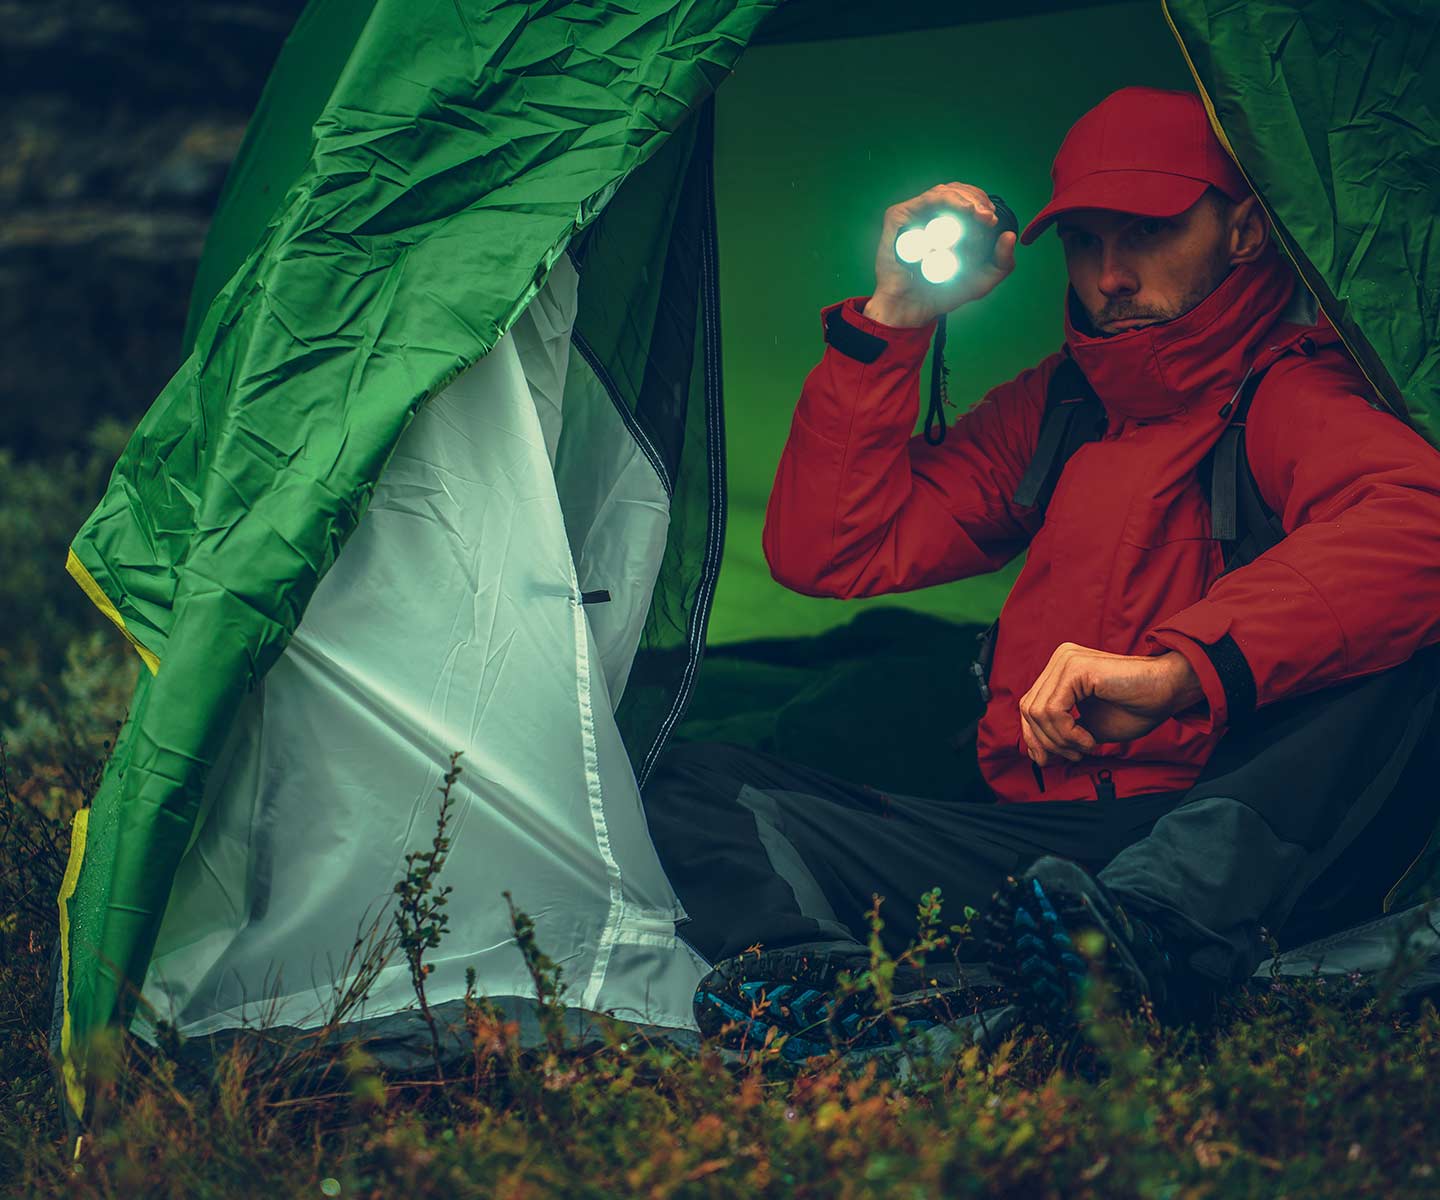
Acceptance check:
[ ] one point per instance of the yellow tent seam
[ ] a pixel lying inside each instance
(74, 1088)
(101, 601)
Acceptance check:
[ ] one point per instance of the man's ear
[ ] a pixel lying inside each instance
(1248, 231)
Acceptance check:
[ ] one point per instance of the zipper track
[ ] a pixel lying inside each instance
(715, 427)
(637, 431)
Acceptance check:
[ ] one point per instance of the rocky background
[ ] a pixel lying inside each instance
(119, 121)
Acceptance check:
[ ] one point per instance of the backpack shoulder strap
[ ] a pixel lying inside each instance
(1240, 519)
(1073, 416)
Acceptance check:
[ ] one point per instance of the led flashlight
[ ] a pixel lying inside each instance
(947, 244)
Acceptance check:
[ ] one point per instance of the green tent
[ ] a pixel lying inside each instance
(446, 465)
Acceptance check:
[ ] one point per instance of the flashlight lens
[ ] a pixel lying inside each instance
(944, 231)
(911, 245)
(939, 266)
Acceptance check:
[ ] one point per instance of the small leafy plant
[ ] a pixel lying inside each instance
(420, 913)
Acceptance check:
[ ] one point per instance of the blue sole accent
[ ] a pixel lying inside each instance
(797, 1022)
(724, 1006)
(1035, 953)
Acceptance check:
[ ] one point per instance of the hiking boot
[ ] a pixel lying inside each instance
(1030, 931)
(791, 990)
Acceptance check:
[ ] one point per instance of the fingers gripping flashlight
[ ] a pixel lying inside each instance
(945, 246)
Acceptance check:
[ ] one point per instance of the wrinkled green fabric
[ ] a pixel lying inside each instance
(463, 146)
(1333, 110)
(276, 146)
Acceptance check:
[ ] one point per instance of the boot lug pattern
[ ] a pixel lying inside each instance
(742, 999)
(1028, 933)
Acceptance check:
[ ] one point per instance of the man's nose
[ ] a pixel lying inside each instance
(1117, 277)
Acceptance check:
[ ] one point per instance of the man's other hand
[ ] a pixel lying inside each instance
(1116, 698)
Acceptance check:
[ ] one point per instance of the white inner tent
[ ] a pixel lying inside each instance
(452, 620)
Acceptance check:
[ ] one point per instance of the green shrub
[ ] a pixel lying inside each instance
(65, 672)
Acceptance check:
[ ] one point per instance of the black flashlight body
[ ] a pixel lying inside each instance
(1007, 223)
(978, 244)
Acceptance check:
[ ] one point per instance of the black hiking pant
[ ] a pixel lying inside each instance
(1301, 823)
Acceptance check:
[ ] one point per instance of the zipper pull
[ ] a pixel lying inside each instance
(979, 672)
(1104, 785)
(1230, 403)
(1039, 775)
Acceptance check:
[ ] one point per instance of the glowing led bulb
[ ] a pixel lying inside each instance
(932, 245)
(911, 245)
(944, 231)
(939, 265)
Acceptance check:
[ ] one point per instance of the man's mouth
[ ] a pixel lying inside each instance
(1130, 323)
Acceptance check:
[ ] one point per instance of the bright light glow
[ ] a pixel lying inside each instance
(938, 266)
(911, 245)
(933, 247)
(944, 231)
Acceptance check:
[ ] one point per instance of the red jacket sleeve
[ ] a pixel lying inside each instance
(1354, 587)
(860, 507)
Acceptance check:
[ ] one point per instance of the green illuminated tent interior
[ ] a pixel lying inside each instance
(458, 459)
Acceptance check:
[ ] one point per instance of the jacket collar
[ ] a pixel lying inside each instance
(1163, 369)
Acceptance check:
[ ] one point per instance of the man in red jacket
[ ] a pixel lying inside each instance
(1178, 754)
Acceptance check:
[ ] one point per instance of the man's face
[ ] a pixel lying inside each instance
(1145, 270)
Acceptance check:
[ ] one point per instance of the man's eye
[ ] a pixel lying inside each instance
(1153, 227)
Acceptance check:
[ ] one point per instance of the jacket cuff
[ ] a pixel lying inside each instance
(1220, 665)
(1196, 654)
(848, 330)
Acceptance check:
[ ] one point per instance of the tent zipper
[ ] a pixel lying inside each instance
(709, 318)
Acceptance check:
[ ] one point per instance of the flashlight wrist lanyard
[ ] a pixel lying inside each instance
(939, 390)
(946, 239)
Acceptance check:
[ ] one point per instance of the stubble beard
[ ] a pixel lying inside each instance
(1217, 271)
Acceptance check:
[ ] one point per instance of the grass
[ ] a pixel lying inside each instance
(1304, 1090)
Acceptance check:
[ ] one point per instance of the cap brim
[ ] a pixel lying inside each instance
(1144, 193)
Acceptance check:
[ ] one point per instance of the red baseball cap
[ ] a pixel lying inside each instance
(1140, 150)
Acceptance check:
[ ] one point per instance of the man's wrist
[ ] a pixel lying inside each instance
(886, 312)
(1184, 684)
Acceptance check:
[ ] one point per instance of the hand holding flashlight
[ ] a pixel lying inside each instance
(935, 225)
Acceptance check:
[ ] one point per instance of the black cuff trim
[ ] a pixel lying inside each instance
(1235, 677)
(851, 342)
